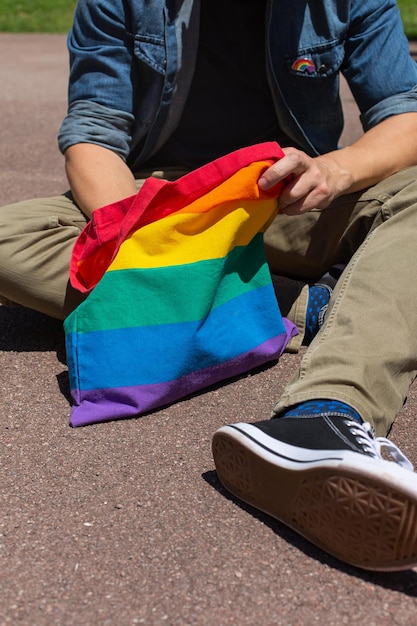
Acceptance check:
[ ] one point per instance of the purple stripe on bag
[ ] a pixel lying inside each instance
(100, 405)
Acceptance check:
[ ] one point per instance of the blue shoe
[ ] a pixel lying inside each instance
(325, 478)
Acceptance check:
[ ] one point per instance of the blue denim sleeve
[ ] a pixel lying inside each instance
(378, 66)
(100, 90)
(89, 122)
(400, 103)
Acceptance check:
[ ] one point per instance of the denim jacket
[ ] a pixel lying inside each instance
(132, 61)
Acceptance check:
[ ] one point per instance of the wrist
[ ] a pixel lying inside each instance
(342, 177)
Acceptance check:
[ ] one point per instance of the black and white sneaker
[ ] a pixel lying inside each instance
(325, 478)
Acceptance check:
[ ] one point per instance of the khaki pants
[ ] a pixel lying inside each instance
(365, 354)
(36, 241)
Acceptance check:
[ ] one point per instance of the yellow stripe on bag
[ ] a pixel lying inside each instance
(192, 237)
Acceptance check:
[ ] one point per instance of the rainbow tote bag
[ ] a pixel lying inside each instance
(178, 292)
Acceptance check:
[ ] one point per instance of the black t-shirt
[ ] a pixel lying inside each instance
(229, 104)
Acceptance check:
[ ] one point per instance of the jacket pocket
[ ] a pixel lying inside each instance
(150, 50)
(313, 82)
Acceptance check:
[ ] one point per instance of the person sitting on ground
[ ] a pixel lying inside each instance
(162, 88)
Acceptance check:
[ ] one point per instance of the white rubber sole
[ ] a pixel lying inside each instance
(360, 510)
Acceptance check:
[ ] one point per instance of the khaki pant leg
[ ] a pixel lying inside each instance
(300, 249)
(366, 352)
(36, 242)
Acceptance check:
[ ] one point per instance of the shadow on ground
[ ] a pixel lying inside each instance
(404, 582)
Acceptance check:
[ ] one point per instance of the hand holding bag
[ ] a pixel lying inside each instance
(179, 292)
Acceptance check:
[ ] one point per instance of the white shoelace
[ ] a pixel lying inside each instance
(374, 445)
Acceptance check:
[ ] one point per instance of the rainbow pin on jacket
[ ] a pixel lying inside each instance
(304, 65)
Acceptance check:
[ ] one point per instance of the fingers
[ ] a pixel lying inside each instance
(294, 162)
(307, 186)
(305, 193)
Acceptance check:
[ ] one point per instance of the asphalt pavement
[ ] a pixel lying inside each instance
(125, 523)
